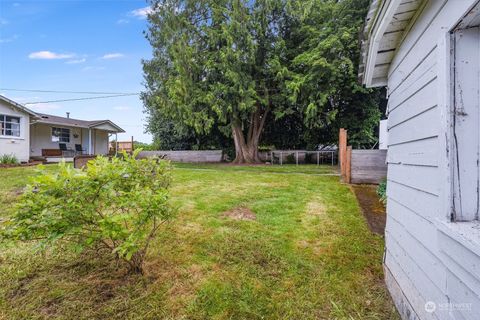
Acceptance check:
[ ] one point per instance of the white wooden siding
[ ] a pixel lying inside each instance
(428, 265)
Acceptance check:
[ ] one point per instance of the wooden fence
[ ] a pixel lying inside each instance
(361, 166)
(126, 146)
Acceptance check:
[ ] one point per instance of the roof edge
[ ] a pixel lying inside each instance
(18, 106)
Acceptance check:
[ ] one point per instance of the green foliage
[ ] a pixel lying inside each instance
(216, 64)
(116, 204)
(8, 159)
(382, 191)
(144, 146)
(290, 158)
(323, 84)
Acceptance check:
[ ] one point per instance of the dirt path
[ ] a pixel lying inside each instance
(372, 208)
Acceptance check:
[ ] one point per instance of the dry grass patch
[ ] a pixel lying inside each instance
(240, 213)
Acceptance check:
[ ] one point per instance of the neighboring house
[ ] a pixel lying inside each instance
(26, 134)
(428, 55)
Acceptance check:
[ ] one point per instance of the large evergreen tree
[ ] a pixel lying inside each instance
(229, 66)
(217, 62)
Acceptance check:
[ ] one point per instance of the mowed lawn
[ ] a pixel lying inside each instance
(305, 254)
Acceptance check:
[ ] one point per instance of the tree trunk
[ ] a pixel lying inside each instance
(246, 148)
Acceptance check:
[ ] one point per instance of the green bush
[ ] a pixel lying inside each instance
(117, 204)
(382, 191)
(8, 159)
(291, 158)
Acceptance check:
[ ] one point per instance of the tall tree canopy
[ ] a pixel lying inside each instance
(217, 61)
(232, 65)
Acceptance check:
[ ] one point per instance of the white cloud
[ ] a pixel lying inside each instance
(48, 55)
(122, 21)
(76, 61)
(141, 13)
(113, 55)
(121, 108)
(43, 107)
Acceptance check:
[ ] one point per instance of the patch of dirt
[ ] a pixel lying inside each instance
(240, 213)
(372, 208)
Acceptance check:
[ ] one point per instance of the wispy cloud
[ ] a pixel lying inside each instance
(76, 61)
(141, 13)
(122, 21)
(3, 22)
(121, 108)
(9, 39)
(115, 55)
(48, 55)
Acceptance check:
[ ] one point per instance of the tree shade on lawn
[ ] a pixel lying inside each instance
(308, 254)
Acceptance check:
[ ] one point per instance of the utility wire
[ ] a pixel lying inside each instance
(84, 98)
(59, 91)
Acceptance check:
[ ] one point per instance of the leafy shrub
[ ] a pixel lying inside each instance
(382, 191)
(117, 204)
(8, 159)
(291, 158)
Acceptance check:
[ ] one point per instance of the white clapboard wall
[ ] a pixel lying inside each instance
(424, 261)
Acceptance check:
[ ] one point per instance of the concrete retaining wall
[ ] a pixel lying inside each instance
(192, 156)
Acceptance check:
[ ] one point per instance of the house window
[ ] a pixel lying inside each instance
(466, 124)
(9, 126)
(60, 135)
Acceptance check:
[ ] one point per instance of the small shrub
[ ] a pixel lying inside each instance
(117, 204)
(8, 159)
(291, 158)
(382, 191)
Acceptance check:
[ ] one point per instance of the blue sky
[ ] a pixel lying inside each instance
(68, 45)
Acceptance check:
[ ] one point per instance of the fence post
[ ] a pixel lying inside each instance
(342, 150)
(348, 165)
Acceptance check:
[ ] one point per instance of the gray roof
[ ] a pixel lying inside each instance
(63, 121)
(60, 121)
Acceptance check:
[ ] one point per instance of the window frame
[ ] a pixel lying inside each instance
(3, 126)
(61, 135)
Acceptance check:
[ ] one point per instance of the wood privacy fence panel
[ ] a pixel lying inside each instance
(192, 156)
(368, 166)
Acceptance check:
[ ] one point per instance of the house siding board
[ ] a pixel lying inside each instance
(101, 142)
(18, 146)
(423, 152)
(425, 263)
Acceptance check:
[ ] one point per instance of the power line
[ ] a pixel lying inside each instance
(60, 91)
(84, 98)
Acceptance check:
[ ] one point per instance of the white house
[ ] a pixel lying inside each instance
(25, 133)
(427, 53)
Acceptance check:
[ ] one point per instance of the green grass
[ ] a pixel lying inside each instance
(308, 255)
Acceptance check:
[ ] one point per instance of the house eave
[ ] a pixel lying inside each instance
(383, 35)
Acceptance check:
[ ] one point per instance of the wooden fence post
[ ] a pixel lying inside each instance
(342, 150)
(348, 165)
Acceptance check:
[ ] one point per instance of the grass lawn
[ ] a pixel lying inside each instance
(308, 254)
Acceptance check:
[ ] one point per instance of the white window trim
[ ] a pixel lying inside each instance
(22, 129)
(58, 127)
(446, 90)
